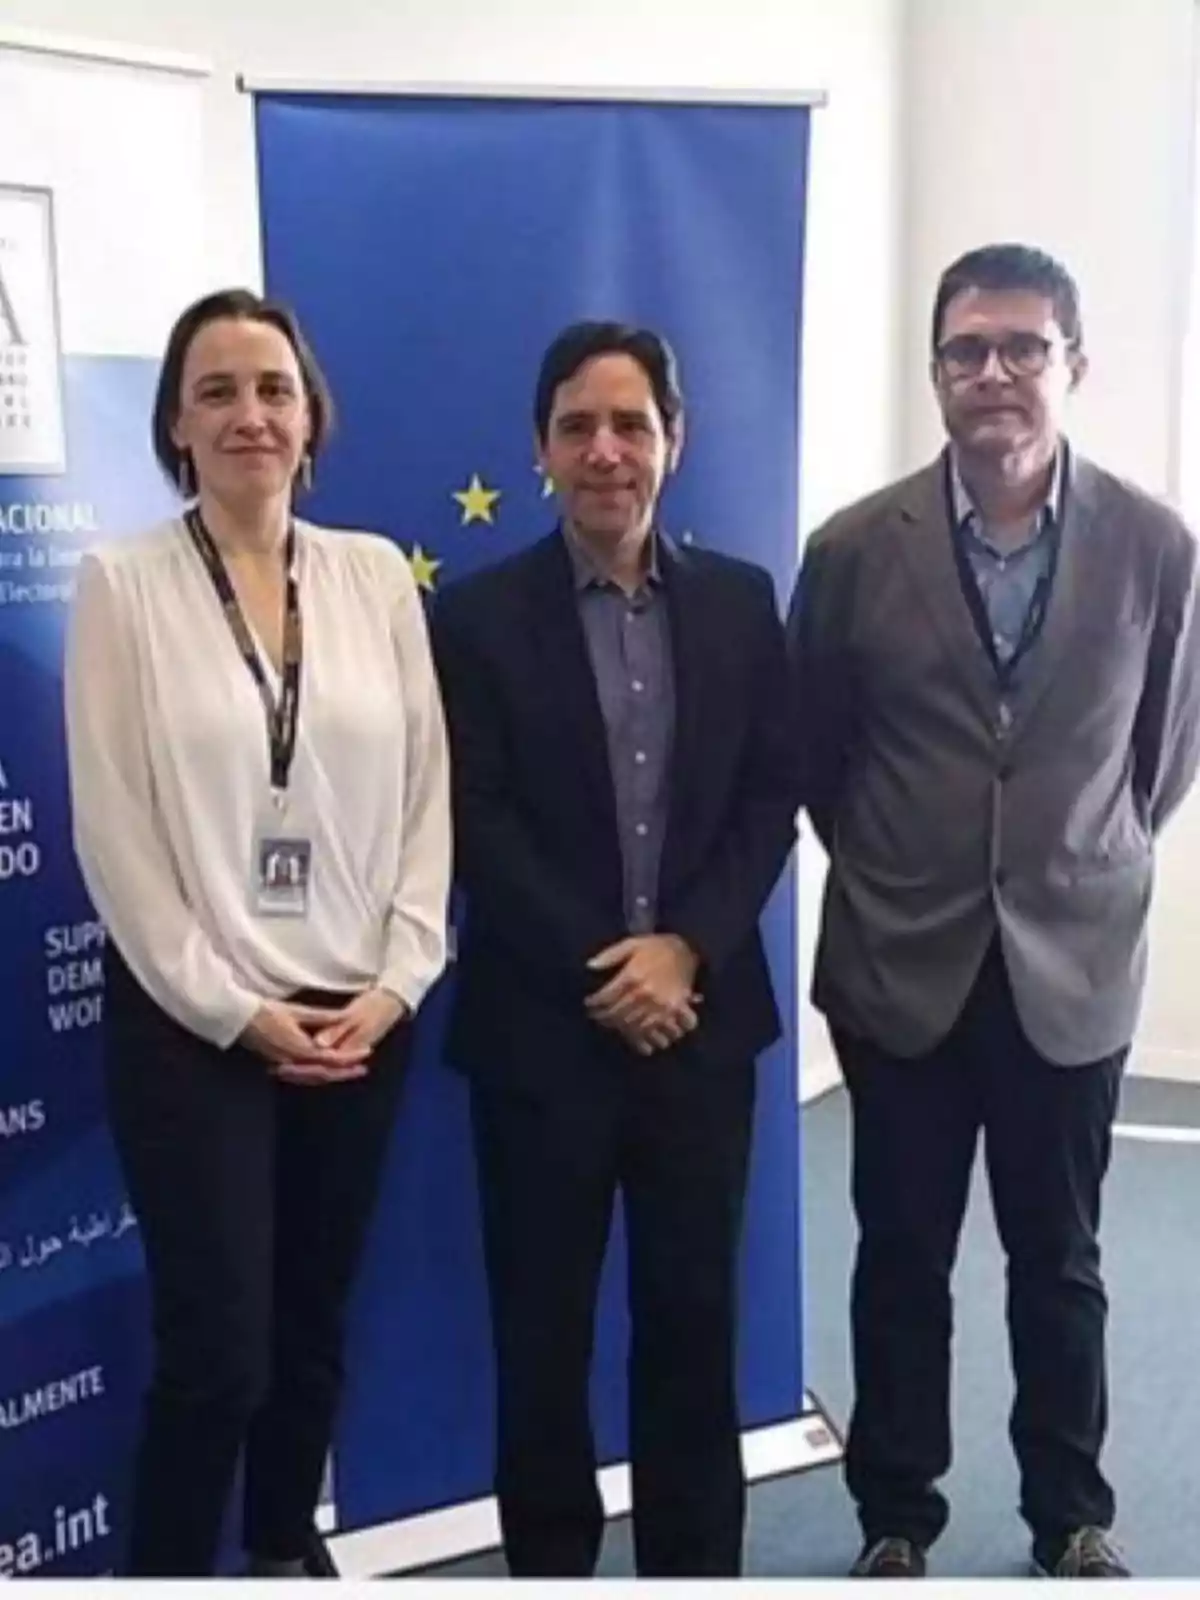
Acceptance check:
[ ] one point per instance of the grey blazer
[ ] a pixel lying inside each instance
(945, 828)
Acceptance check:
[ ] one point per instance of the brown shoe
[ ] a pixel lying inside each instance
(1086, 1553)
(890, 1558)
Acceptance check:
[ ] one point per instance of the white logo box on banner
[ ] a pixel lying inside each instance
(120, 149)
(31, 390)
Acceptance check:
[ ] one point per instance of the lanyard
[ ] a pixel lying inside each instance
(1035, 613)
(283, 714)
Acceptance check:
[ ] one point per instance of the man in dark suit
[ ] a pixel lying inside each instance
(625, 801)
(1001, 658)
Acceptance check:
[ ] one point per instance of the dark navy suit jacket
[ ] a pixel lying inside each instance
(538, 857)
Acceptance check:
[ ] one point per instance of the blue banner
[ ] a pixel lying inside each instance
(73, 1314)
(432, 248)
(87, 294)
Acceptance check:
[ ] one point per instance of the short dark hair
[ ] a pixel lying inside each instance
(584, 340)
(239, 304)
(1012, 266)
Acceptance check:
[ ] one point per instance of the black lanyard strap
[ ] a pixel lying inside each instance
(1039, 602)
(283, 715)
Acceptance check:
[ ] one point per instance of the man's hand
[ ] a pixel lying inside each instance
(283, 1034)
(650, 1000)
(652, 1037)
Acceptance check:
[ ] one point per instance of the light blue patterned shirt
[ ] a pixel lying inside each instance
(1007, 578)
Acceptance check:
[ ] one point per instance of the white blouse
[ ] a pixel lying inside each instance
(170, 778)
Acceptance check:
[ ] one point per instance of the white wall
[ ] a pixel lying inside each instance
(1065, 123)
(1068, 123)
(851, 50)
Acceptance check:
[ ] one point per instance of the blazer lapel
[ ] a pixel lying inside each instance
(565, 677)
(921, 531)
(690, 628)
(1068, 601)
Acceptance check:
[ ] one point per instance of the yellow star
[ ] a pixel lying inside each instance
(476, 501)
(424, 568)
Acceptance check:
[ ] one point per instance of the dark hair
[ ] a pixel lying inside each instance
(239, 304)
(1012, 266)
(584, 340)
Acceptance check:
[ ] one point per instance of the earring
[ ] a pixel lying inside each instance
(185, 476)
(306, 471)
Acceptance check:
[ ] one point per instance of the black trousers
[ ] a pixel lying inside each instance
(674, 1135)
(253, 1200)
(1047, 1134)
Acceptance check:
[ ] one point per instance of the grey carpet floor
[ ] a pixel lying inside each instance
(803, 1526)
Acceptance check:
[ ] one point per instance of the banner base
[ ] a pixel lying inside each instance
(807, 1441)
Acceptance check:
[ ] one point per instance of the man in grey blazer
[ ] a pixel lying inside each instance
(998, 661)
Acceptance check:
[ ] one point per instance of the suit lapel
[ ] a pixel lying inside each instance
(1068, 602)
(564, 676)
(687, 596)
(921, 531)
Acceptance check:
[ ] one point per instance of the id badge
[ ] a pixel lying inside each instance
(283, 876)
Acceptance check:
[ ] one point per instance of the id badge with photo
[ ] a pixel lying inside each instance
(282, 876)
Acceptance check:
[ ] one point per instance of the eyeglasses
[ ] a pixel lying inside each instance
(1022, 355)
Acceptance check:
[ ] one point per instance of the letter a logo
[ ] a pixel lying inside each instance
(10, 328)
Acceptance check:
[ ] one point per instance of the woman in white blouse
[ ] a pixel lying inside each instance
(261, 815)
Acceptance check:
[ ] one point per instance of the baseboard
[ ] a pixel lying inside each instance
(819, 1073)
(434, 1537)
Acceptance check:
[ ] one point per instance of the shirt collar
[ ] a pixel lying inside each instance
(587, 574)
(966, 511)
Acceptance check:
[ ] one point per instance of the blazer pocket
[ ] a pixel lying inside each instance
(1069, 877)
(1113, 638)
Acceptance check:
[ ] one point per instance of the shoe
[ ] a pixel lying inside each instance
(1086, 1553)
(268, 1567)
(890, 1558)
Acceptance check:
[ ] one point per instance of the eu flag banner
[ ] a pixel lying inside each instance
(432, 248)
(86, 295)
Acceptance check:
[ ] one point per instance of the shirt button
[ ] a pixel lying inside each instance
(642, 902)
(640, 757)
(642, 829)
(637, 686)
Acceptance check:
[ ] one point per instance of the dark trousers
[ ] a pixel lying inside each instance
(253, 1200)
(674, 1135)
(1047, 1134)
